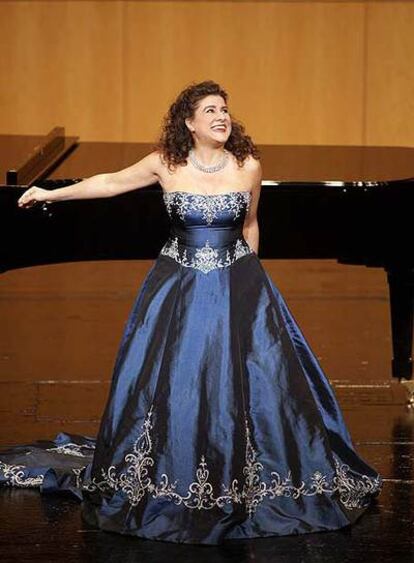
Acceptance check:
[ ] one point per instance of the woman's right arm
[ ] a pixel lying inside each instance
(143, 173)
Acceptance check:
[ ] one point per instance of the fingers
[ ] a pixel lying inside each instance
(28, 198)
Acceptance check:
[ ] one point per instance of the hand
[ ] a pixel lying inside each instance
(32, 196)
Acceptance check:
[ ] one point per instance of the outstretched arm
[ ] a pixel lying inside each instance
(142, 173)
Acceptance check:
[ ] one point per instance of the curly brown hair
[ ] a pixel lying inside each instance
(175, 140)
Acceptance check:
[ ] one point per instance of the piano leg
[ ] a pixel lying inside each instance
(401, 291)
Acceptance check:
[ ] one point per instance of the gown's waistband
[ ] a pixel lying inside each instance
(218, 237)
(204, 248)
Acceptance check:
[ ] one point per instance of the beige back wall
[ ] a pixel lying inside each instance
(296, 72)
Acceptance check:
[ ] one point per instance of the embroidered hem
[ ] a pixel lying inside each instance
(135, 481)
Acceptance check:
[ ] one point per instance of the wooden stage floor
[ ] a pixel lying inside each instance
(60, 329)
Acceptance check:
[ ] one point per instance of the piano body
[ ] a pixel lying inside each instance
(349, 203)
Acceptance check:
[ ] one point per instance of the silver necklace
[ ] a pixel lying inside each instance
(212, 168)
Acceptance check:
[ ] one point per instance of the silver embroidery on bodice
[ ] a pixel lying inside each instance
(209, 204)
(206, 257)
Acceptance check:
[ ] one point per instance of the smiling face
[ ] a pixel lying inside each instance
(211, 123)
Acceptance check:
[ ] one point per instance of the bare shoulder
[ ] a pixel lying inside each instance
(253, 170)
(252, 166)
(251, 163)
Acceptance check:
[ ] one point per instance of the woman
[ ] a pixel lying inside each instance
(220, 423)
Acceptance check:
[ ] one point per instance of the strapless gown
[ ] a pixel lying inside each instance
(220, 423)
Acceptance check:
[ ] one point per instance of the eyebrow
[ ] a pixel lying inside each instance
(213, 106)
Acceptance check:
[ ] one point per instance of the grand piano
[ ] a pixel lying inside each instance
(349, 203)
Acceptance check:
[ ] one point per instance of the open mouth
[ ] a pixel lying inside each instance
(219, 128)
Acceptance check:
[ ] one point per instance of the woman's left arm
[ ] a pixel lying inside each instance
(251, 226)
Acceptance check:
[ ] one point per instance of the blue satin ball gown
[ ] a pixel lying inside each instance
(220, 423)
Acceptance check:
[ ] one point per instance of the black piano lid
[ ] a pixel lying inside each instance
(34, 162)
(283, 165)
